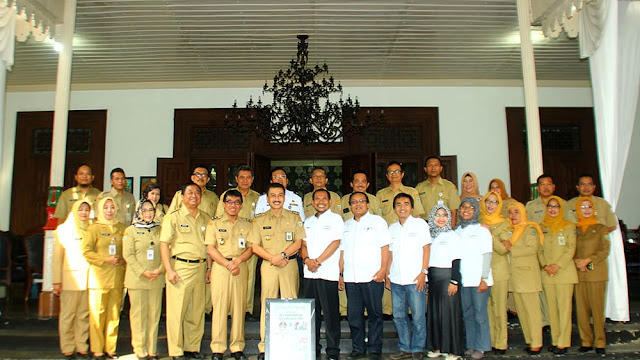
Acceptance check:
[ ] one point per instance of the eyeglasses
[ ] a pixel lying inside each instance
(200, 175)
(391, 172)
(276, 177)
(471, 207)
(233, 202)
(553, 206)
(361, 201)
(147, 210)
(586, 207)
(491, 201)
(440, 215)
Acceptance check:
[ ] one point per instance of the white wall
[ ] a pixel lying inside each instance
(629, 200)
(471, 118)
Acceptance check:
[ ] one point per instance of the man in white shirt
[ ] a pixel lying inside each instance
(321, 271)
(364, 260)
(293, 202)
(410, 248)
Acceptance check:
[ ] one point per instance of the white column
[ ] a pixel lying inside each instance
(534, 139)
(60, 119)
(3, 99)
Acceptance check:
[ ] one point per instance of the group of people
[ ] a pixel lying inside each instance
(369, 254)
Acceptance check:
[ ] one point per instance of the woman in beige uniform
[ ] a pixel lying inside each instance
(558, 272)
(526, 240)
(102, 247)
(70, 271)
(491, 215)
(141, 250)
(497, 185)
(153, 193)
(592, 250)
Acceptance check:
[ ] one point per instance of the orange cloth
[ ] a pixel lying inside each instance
(495, 217)
(558, 222)
(584, 222)
(503, 189)
(518, 229)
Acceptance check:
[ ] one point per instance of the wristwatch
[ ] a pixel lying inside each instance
(424, 271)
(284, 255)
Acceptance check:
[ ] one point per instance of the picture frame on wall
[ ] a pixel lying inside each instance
(146, 180)
(129, 186)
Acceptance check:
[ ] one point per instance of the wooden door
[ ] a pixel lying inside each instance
(568, 149)
(32, 161)
(171, 175)
(353, 163)
(261, 166)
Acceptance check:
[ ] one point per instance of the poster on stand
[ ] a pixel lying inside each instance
(290, 329)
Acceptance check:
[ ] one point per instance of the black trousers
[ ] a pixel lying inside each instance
(325, 293)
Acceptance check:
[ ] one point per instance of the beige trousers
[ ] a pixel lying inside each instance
(559, 302)
(590, 297)
(252, 263)
(497, 310)
(73, 321)
(228, 295)
(104, 319)
(529, 314)
(144, 316)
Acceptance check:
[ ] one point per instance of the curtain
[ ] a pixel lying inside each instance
(7, 35)
(615, 77)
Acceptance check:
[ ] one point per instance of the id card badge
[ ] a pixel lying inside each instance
(288, 236)
(112, 249)
(241, 243)
(150, 254)
(561, 240)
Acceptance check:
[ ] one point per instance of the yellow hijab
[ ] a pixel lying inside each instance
(518, 230)
(584, 222)
(555, 223)
(474, 193)
(73, 227)
(495, 217)
(101, 219)
(503, 189)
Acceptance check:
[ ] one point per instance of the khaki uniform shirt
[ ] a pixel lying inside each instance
(276, 233)
(309, 210)
(70, 268)
(208, 202)
(249, 202)
(374, 206)
(559, 248)
(536, 210)
(185, 233)
(594, 244)
(142, 253)
(525, 268)
(386, 196)
(443, 190)
(602, 209)
(161, 211)
(70, 196)
(95, 248)
(230, 239)
(126, 205)
(500, 257)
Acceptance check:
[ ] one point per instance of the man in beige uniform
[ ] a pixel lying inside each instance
(84, 190)
(125, 202)
(319, 181)
(276, 237)
(227, 240)
(395, 174)
(603, 212)
(360, 183)
(436, 189)
(244, 179)
(183, 256)
(537, 208)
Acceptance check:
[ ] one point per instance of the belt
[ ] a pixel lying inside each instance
(294, 256)
(229, 259)
(189, 261)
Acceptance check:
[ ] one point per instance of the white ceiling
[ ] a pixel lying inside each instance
(127, 41)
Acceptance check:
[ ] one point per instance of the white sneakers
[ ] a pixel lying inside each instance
(435, 354)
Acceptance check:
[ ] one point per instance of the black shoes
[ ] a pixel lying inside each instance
(261, 356)
(552, 348)
(333, 357)
(375, 356)
(356, 355)
(559, 351)
(193, 355)
(216, 356)
(177, 358)
(600, 351)
(238, 355)
(499, 351)
(584, 349)
(532, 352)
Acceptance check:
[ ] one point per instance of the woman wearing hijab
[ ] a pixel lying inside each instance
(444, 320)
(491, 216)
(102, 247)
(592, 250)
(143, 280)
(469, 186)
(526, 241)
(475, 267)
(497, 185)
(153, 193)
(558, 272)
(70, 271)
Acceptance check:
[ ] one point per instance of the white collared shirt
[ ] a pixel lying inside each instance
(361, 246)
(407, 243)
(292, 202)
(322, 231)
(444, 249)
(476, 241)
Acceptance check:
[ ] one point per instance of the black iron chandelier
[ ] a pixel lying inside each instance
(301, 110)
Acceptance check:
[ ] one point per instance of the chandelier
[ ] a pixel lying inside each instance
(301, 109)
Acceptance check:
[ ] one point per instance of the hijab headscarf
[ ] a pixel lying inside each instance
(433, 228)
(474, 193)
(584, 222)
(73, 227)
(462, 223)
(101, 219)
(139, 222)
(518, 230)
(503, 189)
(496, 216)
(558, 222)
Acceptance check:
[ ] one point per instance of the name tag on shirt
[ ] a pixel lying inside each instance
(150, 254)
(112, 249)
(241, 243)
(288, 236)
(561, 240)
